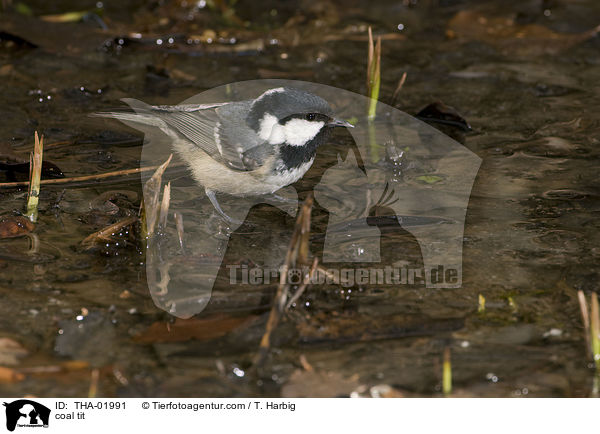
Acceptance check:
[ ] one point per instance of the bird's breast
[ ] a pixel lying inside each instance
(283, 175)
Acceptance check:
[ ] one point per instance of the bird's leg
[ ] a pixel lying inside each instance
(213, 199)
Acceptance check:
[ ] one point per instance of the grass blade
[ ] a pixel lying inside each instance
(35, 174)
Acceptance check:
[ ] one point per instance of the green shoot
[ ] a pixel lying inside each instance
(447, 373)
(373, 74)
(35, 173)
(481, 305)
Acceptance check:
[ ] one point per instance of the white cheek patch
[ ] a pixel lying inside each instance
(298, 132)
(295, 132)
(266, 126)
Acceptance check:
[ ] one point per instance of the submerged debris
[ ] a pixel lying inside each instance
(505, 34)
(15, 226)
(106, 235)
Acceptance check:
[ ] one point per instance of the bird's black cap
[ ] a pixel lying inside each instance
(283, 102)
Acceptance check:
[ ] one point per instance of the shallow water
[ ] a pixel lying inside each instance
(530, 239)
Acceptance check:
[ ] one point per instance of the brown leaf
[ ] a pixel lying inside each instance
(356, 327)
(511, 38)
(8, 375)
(203, 329)
(11, 351)
(318, 384)
(105, 234)
(15, 226)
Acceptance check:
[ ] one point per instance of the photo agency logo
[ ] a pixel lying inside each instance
(246, 143)
(25, 413)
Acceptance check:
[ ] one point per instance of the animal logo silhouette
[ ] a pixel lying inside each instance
(401, 163)
(25, 412)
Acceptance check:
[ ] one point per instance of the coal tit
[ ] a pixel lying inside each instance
(252, 147)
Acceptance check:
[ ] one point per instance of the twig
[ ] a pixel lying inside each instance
(398, 88)
(80, 178)
(164, 206)
(305, 364)
(107, 232)
(93, 390)
(281, 295)
(307, 279)
(151, 196)
(585, 317)
(304, 237)
(179, 225)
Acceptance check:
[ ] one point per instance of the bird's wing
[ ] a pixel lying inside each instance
(239, 144)
(219, 129)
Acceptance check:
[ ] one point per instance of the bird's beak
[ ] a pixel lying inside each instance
(339, 123)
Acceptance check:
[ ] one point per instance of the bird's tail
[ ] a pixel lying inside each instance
(142, 114)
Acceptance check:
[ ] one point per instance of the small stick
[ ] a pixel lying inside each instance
(304, 237)
(93, 390)
(279, 301)
(179, 225)
(399, 88)
(307, 279)
(164, 206)
(305, 365)
(585, 317)
(35, 174)
(151, 195)
(80, 178)
(107, 232)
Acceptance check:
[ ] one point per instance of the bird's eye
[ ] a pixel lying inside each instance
(311, 117)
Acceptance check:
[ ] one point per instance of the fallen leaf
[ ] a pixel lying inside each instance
(511, 38)
(438, 112)
(15, 226)
(11, 351)
(356, 327)
(15, 164)
(318, 384)
(429, 179)
(203, 329)
(8, 375)
(104, 235)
